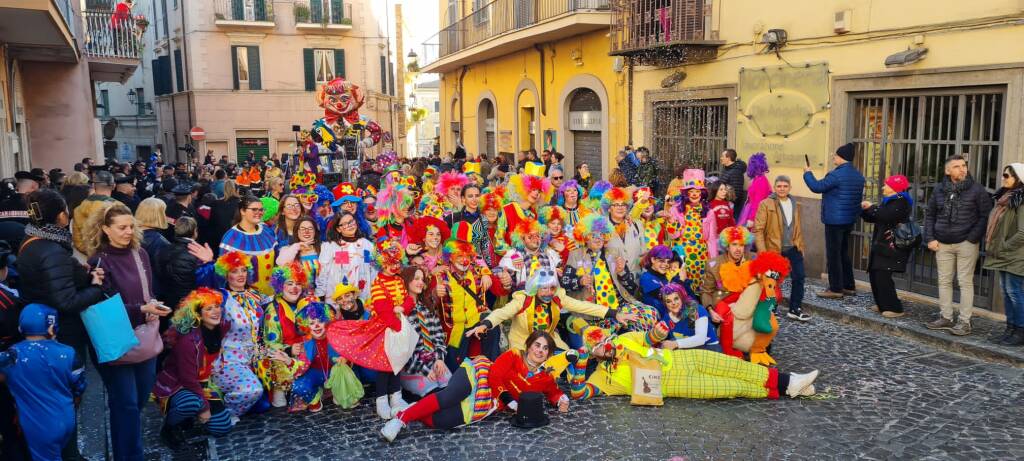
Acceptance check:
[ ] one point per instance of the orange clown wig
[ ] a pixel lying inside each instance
(615, 195)
(524, 228)
(735, 234)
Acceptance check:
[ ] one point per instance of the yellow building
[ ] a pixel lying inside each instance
(521, 74)
(909, 82)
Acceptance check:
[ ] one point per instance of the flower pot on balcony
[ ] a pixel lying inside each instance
(301, 13)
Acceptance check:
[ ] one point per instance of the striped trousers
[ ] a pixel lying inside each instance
(185, 405)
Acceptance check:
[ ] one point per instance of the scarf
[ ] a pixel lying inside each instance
(52, 232)
(1005, 199)
(211, 338)
(954, 189)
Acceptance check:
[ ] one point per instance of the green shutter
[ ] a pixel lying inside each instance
(234, 66)
(179, 73)
(237, 10)
(307, 66)
(336, 12)
(261, 10)
(254, 68)
(316, 11)
(339, 62)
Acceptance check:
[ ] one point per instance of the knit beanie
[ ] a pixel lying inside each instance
(897, 182)
(1018, 169)
(36, 319)
(846, 152)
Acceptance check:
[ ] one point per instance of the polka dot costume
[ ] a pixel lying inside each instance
(694, 244)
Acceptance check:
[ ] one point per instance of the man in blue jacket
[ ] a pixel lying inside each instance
(842, 190)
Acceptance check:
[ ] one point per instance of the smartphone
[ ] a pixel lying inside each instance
(162, 306)
(807, 160)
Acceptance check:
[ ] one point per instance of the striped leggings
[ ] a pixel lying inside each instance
(185, 405)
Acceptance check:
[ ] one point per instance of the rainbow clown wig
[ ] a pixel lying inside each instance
(520, 186)
(232, 260)
(390, 201)
(492, 200)
(313, 312)
(616, 195)
(190, 310)
(460, 248)
(524, 228)
(570, 184)
(293, 272)
(552, 213)
(389, 253)
(592, 224)
(735, 234)
(450, 180)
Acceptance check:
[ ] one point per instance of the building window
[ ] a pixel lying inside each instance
(689, 134)
(481, 11)
(383, 74)
(105, 103)
(140, 101)
(322, 66)
(324, 62)
(246, 67)
(437, 107)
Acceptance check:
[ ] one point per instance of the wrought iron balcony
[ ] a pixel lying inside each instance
(244, 13)
(663, 32)
(111, 44)
(505, 17)
(323, 14)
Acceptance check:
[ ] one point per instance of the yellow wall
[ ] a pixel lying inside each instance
(957, 34)
(502, 76)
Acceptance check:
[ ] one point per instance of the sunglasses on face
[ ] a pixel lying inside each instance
(1006, 175)
(559, 178)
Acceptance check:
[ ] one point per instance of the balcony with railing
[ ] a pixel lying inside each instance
(112, 45)
(663, 32)
(244, 14)
(504, 26)
(39, 30)
(322, 15)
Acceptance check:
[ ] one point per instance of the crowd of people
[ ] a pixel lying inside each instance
(448, 288)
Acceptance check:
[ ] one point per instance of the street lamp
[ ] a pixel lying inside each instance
(132, 97)
(412, 55)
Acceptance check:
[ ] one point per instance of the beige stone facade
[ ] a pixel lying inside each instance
(277, 46)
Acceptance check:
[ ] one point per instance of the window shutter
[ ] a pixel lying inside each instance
(255, 82)
(155, 69)
(179, 73)
(383, 75)
(339, 62)
(234, 66)
(261, 10)
(336, 11)
(307, 67)
(316, 11)
(237, 10)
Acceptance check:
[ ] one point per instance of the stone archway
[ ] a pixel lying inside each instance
(520, 136)
(566, 135)
(487, 124)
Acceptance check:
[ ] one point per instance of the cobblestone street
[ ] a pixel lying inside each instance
(879, 398)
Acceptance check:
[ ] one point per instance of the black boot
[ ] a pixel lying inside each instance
(172, 436)
(1000, 337)
(1016, 339)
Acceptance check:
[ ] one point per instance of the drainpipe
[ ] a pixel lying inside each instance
(188, 80)
(462, 129)
(543, 100)
(629, 102)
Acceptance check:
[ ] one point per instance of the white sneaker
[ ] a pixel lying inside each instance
(279, 399)
(397, 403)
(798, 382)
(391, 429)
(383, 409)
(234, 420)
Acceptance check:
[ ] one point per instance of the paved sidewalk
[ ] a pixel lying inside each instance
(854, 310)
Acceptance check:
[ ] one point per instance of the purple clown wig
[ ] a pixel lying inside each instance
(658, 252)
(757, 165)
(675, 288)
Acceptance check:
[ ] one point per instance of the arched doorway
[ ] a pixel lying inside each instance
(585, 129)
(487, 126)
(527, 128)
(455, 125)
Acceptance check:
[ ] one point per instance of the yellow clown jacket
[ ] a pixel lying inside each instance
(523, 312)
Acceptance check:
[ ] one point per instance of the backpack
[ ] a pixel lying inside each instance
(906, 235)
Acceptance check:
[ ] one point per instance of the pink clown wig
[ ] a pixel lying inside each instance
(449, 180)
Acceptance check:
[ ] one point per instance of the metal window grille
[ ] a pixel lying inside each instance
(689, 134)
(912, 133)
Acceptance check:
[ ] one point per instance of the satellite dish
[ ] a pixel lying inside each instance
(110, 129)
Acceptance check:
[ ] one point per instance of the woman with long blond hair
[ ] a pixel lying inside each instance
(116, 248)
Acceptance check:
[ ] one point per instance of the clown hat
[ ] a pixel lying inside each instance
(471, 168)
(419, 229)
(541, 278)
(462, 232)
(343, 289)
(460, 244)
(345, 192)
(693, 179)
(429, 172)
(534, 169)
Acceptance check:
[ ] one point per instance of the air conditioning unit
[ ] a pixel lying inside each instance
(843, 21)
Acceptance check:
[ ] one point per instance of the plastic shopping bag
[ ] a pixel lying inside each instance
(346, 390)
(109, 329)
